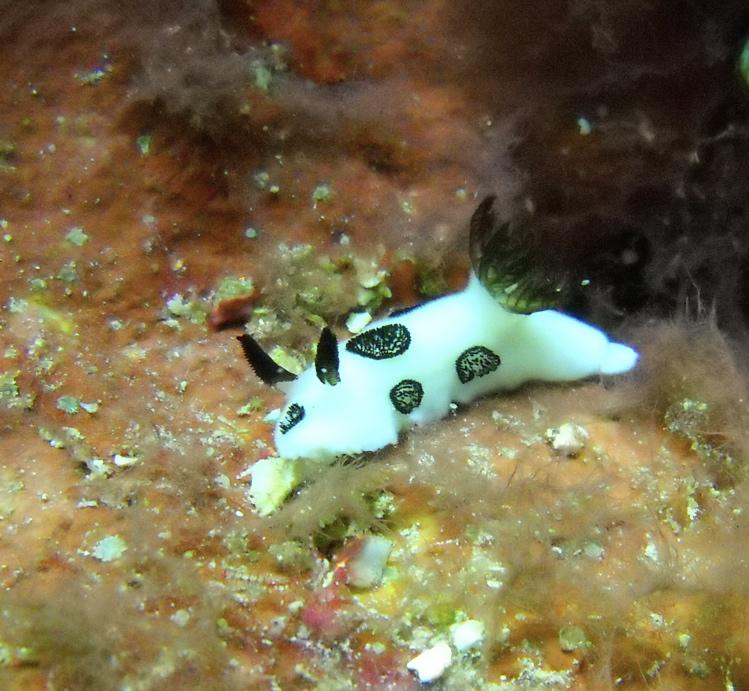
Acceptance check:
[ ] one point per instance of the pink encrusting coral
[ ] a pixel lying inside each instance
(168, 169)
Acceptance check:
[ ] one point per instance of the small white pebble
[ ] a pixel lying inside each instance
(273, 479)
(124, 461)
(568, 439)
(357, 321)
(109, 548)
(467, 634)
(432, 663)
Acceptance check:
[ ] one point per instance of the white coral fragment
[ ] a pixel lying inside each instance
(432, 663)
(367, 567)
(467, 634)
(272, 481)
(569, 439)
(357, 321)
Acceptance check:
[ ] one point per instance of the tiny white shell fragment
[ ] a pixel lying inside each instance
(467, 634)
(109, 548)
(367, 567)
(568, 439)
(124, 461)
(432, 663)
(357, 321)
(272, 480)
(272, 416)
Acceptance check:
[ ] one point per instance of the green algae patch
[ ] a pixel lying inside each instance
(72, 405)
(573, 638)
(234, 287)
(321, 194)
(373, 288)
(68, 404)
(10, 395)
(68, 272)
(7, 156)
(312, 290)
(192, 309)
(292, 557)
(55, 318)
(143, 144)
(77, 236)
(430, 281)
(263, 76)
(252, 406)
(36, 308)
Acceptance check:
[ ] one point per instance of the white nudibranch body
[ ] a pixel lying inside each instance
(407, 369)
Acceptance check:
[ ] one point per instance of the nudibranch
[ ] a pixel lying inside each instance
(408, 368)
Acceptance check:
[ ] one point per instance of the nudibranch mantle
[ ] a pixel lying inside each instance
(408, 368)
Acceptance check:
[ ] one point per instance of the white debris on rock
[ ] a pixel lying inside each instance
(367, 566)
(109, 548)
(569, 439)
(431, 663)
(467, 634)
(122, 461)
(272, 481)
(357, 321)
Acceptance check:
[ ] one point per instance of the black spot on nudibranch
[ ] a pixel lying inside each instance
(381, 343)
(406, 395)
(477, 361)
(294, 415)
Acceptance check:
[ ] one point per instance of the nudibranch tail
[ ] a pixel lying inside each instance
(618, 359)
(263, 364)
(507, 263)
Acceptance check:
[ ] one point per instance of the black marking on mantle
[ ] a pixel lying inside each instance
(381, 343)
(294, 415)
(406, 395)
(477, 361)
